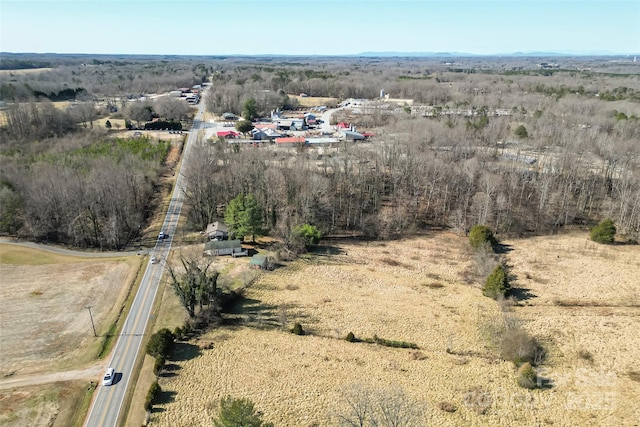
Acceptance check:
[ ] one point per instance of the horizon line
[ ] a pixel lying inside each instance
(360, 54)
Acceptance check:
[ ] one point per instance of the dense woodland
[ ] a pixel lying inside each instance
(454, 159)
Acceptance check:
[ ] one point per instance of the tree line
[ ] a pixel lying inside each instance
(461, 165)
(80, 191)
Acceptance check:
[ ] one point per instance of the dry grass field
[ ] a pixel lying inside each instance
(45, 326)
(314, 101)
(9, 73)
(582, 304)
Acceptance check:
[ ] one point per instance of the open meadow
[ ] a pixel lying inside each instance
(579, 299)
(46, 330)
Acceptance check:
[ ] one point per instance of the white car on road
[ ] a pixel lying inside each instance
(108, 376)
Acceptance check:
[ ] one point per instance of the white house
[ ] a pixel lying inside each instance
(217, 231)
(224, 247)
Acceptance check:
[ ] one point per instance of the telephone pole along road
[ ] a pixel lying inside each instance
(108, 400)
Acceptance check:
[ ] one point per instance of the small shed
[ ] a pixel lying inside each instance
(224, 247)
(259, 261)
(217, 231)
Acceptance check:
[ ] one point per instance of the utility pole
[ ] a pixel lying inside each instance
(91, 317)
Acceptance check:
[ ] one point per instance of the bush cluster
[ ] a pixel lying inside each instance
(153, 392)
(162, 125)
(160, 343)
(604, 232)
(395, 344)
(480, 235)
(239, 412)
(497, 284)
(520, 347)
(158, 365)
(527, 376)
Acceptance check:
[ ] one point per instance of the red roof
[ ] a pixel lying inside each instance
(289, 140)
(265, 126)
(227, 134)
(367, 134)
(344, 125)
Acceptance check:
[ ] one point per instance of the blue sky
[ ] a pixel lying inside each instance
(318, 27)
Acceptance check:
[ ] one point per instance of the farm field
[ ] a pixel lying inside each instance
(314, 101)
(579, 299)
(45, 326)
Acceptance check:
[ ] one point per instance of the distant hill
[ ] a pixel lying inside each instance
(465, 54)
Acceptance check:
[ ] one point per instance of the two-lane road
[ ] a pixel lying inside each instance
(108, 400)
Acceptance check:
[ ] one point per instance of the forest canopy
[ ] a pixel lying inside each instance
(496, 141)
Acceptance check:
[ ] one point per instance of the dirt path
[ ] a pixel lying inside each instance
(92, 372)
(64, 251)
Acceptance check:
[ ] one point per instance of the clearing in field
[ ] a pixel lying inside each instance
(418, 291)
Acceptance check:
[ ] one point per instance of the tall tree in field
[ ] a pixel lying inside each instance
(196, 287)
(243, 216)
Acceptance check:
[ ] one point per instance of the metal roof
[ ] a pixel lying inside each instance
(224, 244)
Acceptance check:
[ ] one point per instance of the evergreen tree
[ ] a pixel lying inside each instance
(497, 283)
(250, 110)
(604, 232)
(243, 216)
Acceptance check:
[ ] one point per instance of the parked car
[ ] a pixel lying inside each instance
(108, 376)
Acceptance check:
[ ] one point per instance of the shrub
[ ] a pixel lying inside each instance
(521, 132)
(297, 329)
(478, 400)
(604, 232)
(527, 376)
(309, 234)
(239, 412)
(160, 343)
(151, 395)
(585, 355)
(158, 365)
(394, 344)
(479, 235)
(177, 333)
(350, 337)
(163, 124)
(520, 347)
(447, 406)
(497, 284)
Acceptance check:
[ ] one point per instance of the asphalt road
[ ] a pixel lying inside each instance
(108, 400)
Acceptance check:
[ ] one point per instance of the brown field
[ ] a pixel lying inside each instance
(45, 327)
(8, 73)
(314, 101)
(583, 305)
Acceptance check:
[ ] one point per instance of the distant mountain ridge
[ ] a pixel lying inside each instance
(513, 54)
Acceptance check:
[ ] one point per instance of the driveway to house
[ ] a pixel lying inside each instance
(92, 372)
(107, 404)
(326, 120)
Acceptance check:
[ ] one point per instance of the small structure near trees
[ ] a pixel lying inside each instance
(260, 262)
